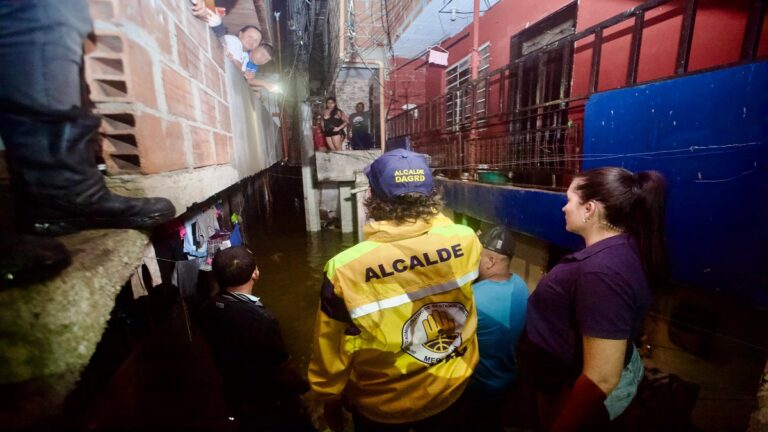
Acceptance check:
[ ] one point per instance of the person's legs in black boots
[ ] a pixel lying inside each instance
(56, 184)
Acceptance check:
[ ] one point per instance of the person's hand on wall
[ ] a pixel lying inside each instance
(213, 19)
(271, 86)
(199, 10)
(228, 54)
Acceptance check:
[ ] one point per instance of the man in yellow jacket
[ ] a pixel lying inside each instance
(395, 333)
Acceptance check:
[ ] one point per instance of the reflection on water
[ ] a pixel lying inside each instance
(290, 259)
(291, 267)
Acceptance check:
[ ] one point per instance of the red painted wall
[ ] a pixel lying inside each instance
(405, 85)
(718, 35)
(497, 26)
(717, 39)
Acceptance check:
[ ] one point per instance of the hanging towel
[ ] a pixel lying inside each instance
(149, 261)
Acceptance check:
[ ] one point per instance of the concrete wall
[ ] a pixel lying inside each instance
(51, 329)
(255, 133)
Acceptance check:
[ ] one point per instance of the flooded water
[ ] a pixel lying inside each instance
(290, 260)
(291, 271)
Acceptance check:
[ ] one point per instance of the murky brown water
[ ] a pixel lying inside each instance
(291, 264)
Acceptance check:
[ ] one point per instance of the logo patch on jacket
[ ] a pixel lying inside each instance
(433, 333)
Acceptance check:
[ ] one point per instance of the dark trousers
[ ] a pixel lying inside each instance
(445, 420)
(41, 53)
(287, 415)
(482, 409)
(361, 141)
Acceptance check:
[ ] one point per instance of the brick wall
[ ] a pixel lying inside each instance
(156, 75)
(352, 86)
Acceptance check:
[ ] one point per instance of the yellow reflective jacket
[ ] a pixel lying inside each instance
(396, 327)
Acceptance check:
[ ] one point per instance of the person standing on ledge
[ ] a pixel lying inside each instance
(360, 135)
(395, 333)
(334, 122)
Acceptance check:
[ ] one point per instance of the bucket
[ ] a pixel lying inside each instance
(493, 177)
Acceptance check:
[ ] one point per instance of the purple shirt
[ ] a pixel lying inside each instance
(600, 291)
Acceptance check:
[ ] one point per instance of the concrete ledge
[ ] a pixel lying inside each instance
(49, 331)
(183, 187)
(340, 166)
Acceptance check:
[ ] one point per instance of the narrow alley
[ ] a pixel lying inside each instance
(384, 215)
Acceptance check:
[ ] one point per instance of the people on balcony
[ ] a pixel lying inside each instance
(48, 137)
(257, 58)
(587, 311)
(238, 48)
(334, 122)
(246, 50)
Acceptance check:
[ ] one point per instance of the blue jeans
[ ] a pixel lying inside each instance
(41, 53)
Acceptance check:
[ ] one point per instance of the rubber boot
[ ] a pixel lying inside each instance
(27, 259)
(56, 184)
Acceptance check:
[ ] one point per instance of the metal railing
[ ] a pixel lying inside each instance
(487, 125)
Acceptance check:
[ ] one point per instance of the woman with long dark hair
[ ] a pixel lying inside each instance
(334, 122)
(586, 312)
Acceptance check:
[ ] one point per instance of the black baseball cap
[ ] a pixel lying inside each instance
(498, 239)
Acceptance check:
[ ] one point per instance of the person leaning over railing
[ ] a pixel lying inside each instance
(257, 58)
(578, 346)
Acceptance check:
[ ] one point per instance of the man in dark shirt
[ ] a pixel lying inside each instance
(259, 385)
(360, 137)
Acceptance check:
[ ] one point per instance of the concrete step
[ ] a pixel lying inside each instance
(49, 331)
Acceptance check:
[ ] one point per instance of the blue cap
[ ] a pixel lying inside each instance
(399, 172)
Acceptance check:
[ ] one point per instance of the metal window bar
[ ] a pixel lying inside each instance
(537, 140)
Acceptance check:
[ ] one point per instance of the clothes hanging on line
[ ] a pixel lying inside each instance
(139, 285)
(198, 231)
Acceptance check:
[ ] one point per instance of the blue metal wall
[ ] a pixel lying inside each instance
(708, 134)
(529, 211)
